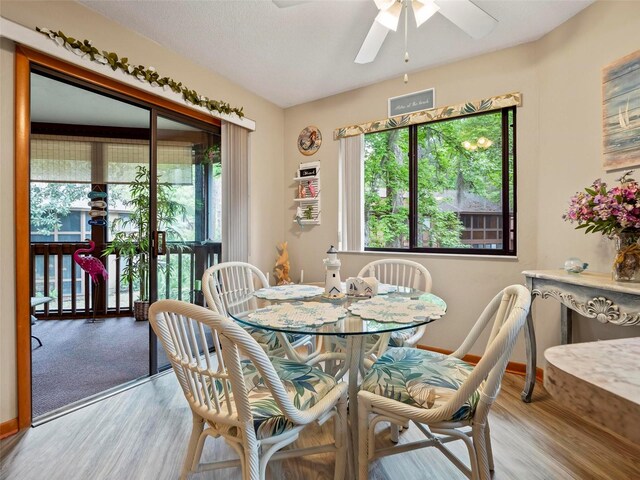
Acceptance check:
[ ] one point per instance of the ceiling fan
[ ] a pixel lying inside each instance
(466, 15)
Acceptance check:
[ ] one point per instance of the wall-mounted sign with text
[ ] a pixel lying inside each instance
(412, 102)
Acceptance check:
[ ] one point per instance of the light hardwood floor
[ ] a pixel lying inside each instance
(141, 434)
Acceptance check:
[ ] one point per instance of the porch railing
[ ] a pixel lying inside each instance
(54, 274)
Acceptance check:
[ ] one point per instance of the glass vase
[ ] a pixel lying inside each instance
(626, 266)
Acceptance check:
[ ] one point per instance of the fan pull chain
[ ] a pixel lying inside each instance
(406, 31)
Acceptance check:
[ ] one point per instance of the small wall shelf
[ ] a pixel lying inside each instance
(307, 196)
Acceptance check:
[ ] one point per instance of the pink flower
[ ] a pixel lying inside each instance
(604, 210)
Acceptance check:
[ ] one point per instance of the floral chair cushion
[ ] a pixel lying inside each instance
(397, 339)
(269, 340)
(421, 378)
(304, 384)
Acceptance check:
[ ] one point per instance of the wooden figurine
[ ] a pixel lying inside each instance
(281, 270)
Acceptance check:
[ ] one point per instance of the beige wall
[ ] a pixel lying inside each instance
(8, 399)
(558, 148)
(570, 61)
(466, 283)
(559, 134)
(266, 146)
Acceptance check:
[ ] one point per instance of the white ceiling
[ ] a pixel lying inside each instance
(305, 52)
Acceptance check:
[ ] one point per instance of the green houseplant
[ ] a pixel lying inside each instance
(132, 239)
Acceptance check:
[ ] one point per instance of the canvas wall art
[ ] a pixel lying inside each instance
(621, 113)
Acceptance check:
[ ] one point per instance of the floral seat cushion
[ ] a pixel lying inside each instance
(421, 378)
(304, 384)
(269, 340)
(397, 339)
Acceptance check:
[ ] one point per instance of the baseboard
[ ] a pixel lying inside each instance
(512, 367)
(8, 428)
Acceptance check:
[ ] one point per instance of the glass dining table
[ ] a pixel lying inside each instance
(304, 309)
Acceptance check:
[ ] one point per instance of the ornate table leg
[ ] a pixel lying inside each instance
(530, 344)
(566, 325)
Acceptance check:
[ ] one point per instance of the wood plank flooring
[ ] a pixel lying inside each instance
(142, 433)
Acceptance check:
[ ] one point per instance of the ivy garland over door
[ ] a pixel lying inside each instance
(84, 48)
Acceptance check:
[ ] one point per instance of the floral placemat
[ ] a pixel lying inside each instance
(289, 292)
(298, 314)
(431, 298)
(398, 309)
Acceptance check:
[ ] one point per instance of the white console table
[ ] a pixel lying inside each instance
(591, 294)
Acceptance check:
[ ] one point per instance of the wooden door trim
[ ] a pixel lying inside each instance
(21, 177)
(8, 428)
(24, 58)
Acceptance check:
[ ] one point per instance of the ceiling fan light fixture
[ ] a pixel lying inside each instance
(390, 17)
(423, 10)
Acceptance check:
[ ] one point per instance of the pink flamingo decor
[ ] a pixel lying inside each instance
(90, 264)
(93, 267)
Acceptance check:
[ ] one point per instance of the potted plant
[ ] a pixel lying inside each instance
(132, 239)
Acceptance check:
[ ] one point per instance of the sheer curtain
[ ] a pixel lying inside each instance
(351, 223)
(235, 193)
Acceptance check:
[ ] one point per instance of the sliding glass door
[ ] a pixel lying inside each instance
(125, 209)
(187, 210)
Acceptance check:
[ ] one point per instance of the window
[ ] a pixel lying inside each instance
(445, 186)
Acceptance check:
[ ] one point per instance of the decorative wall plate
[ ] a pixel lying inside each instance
(309, 140)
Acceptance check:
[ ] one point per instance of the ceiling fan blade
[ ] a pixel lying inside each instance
(423, 10)
(470, 18)
(288, 3)
(389, 17)
(384, 4)
(372, 43)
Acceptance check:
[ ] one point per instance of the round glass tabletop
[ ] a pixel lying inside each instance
(319, 315)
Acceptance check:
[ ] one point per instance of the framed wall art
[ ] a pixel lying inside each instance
(412, 102)
(621, 113)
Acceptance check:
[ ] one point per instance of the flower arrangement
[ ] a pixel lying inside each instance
(609, 211)
(614, 212)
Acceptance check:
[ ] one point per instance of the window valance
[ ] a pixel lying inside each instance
(432, 115)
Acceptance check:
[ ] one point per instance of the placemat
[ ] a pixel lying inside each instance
(397, 309)
(289, 292)
(298, 314)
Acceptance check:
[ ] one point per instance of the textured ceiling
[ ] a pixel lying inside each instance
(305, 51)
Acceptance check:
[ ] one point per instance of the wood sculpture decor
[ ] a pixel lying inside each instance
(281, 270)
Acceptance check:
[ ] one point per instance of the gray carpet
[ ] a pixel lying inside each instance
(79, 359)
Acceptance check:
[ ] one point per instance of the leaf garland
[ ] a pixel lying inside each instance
(149, 75)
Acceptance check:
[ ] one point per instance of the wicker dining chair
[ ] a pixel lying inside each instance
(399, 273)
(445, 397)
(258, 404)
(228, 289)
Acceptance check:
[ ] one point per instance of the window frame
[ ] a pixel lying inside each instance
(509, 155)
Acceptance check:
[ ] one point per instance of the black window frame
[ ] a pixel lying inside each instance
(509, 216)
